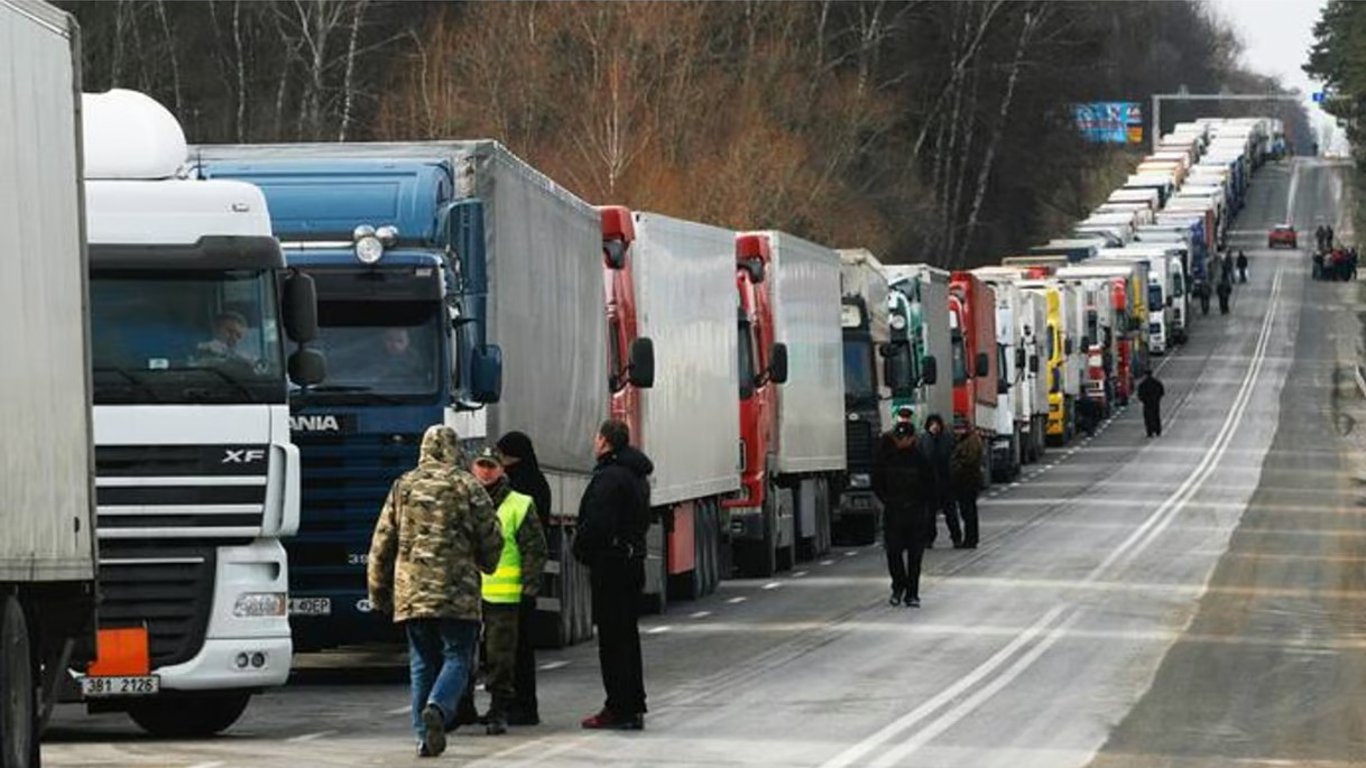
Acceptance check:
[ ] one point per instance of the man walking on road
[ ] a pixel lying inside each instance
(966, 475)
(1150, 392)
(904, 482)
(436, 533)
(1242, 267)
(614, 516)
(517, 578)
(938, 447)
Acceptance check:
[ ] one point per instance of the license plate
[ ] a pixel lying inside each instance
(310, 606)
(105, 687)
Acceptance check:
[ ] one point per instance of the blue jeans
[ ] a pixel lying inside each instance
(440, 657)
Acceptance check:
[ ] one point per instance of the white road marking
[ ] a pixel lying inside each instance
(699, 615)
(798, 574)
(399, 710)
(773, 585)
(549, 665)
(851, 553)
(307, 737)
(658, 630)
(214, 764)
(827, 562)
(737, 600)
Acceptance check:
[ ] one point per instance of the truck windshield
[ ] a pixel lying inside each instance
(385, 349)
(960, 362)
(185, 336)
(858, 369)
(1155, 296)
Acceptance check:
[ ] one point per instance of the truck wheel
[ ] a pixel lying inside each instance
(185, 717)
(18, 695)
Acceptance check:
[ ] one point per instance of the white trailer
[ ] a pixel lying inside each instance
(810, 449)
(684, 279)
(47, 512)
(1013, 416)
(865, 325)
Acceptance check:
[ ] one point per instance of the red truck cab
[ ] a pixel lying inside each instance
(626, 349)
(762, 367)
(1124, 373)
(972, 329)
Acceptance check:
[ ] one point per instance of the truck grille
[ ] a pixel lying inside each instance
(181, 491)
(859, 445)
(345, 479)
(167, 588)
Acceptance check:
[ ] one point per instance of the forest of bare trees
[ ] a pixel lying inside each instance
(924, 130)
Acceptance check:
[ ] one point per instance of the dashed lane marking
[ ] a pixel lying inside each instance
(658, 630)
(827, 562)
(699, 615)
(307, 737)
(549, 665)
(798, 574)
(773, 585)
(399, 710)
(737, 600)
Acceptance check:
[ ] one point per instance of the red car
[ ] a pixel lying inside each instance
(1282, 234)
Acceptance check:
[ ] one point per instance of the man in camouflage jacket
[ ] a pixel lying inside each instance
(438, 531)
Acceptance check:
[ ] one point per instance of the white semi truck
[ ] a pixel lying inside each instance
(196, 479)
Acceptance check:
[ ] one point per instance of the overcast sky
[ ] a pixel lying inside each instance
(1276, 37)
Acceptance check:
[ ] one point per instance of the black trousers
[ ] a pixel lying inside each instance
(617, 586)
(967, 507)
(1152, 420)
(904, 536)
(949, 509)
(524, 700)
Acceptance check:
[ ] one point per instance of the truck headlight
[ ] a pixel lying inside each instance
(860, 480)
(253, 605)
(898, 321)
(369, 248)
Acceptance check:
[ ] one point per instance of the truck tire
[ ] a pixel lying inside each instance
(18, 694)
(186, 717)
(759, 559)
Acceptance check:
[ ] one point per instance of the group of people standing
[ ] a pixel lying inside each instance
(1333, 261)
(917, 478)
(460, 546)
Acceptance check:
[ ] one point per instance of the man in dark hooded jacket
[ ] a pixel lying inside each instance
(524, 476)
(904, 482)
(614, 516)
(1150, 393)
(937, 444)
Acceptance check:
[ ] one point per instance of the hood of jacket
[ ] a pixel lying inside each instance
(440, 447)
(518, 445)
(630, 458)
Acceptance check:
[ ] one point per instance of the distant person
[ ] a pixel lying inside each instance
(1225, 290)
(516, 582)
(1242, 267)
(524, 476)
(1320, 235)
(904, 482)
(937, 446)
(1150, 392)
(967, 480)
(614, 516)
(437, 533)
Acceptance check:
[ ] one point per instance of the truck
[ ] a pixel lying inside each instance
(792, 440)
(671, 286)
(918, 318)
(1059, 426)
(47, 497)
(1078, 249)
(1019, 426)
(976, 360)
(866, 330)
(428, 257)
(1129, 357)
(197, 482)
(1163, 282)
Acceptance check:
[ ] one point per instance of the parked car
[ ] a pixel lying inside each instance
(1282, 234)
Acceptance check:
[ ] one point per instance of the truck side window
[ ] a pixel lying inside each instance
(746, 367)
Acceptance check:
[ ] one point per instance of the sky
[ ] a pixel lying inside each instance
(1276, 37)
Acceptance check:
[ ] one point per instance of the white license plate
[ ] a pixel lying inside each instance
(104, 687)
(310, 606)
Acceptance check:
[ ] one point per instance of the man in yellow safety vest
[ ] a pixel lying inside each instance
(518, 575)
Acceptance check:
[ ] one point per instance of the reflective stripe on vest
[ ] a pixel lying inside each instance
(505, 585)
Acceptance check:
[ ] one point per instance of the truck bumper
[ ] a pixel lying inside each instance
(746, 524)
(218, 666)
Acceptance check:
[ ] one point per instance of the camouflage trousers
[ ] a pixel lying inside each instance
(500, 653)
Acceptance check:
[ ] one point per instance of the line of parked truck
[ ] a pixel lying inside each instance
(265, 331)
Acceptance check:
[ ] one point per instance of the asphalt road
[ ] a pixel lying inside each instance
(1191, 600)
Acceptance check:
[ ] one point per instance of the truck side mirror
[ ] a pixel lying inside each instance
(1067, 347)
(1002, 386)
(755, 268)
(929, 367)
(301, 307)
(641, 368)
(983, 364)
(777, 363)
(486, 374)
(1033, 363)
(614, 253)
(307, 367)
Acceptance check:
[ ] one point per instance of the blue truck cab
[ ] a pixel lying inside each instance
(400, 268)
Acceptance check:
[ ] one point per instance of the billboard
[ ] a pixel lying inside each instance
(1110, 122)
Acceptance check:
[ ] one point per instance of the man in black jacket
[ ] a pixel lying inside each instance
(614, 516)
(1150, 393)
(904, 481)
(525, 476)
(937, 444)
